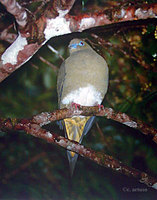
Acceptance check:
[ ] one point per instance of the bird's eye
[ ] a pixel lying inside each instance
(81, 43)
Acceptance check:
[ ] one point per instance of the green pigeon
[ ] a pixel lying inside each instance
(83, 80)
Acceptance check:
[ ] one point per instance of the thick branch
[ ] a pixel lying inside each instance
(100, 158)
(110, 16)
(15, 9)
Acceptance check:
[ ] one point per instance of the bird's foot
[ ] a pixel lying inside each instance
(101, 107)
(76, 105)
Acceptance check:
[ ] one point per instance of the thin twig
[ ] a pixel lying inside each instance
(48, 63)
(56, 52)
(23, 166)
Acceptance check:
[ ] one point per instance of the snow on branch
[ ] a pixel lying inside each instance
(55, 21)
(34, 35)
(109, 16)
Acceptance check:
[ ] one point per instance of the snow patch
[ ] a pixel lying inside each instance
(10, 55)
(61, 142)
(87, 23)
(122, 13)
(57, 26)
(24, 15)
(45, 123)
(131, 124)
(69, 147)
(18, 5)
(145, 13)
(119, 168)
(49, 135)
(154, 186)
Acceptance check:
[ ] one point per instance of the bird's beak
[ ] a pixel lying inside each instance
(73, 46)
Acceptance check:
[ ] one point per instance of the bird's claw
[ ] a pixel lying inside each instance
(101, 107)
(76, 105)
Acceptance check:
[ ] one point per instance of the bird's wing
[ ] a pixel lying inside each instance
(60, 81)
(88, 125)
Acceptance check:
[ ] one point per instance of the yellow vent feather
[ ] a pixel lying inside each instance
(74, 128)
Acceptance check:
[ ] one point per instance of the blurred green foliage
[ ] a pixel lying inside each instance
(32, 89)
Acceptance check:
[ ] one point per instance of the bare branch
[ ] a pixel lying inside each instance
(63, 4)
(23, 166)
(48, 63)
(6, 36)
(56, 52)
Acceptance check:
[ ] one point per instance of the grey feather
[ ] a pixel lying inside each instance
(84, 67)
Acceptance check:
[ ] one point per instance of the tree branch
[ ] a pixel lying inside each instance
(15, 9)
(54, 68)
(100, 158)
(47, 117)
(6, 36)
(109, 16)
(23, 166)
(56, 21)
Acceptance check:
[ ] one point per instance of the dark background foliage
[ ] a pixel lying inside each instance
(33, 169)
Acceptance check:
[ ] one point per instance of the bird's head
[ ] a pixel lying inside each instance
(77, 45)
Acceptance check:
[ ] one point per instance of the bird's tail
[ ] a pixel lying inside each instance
(76, 128)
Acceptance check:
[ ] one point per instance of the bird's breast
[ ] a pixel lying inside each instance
(85, 96)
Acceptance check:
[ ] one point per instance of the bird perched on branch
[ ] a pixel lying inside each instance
(83, 80)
